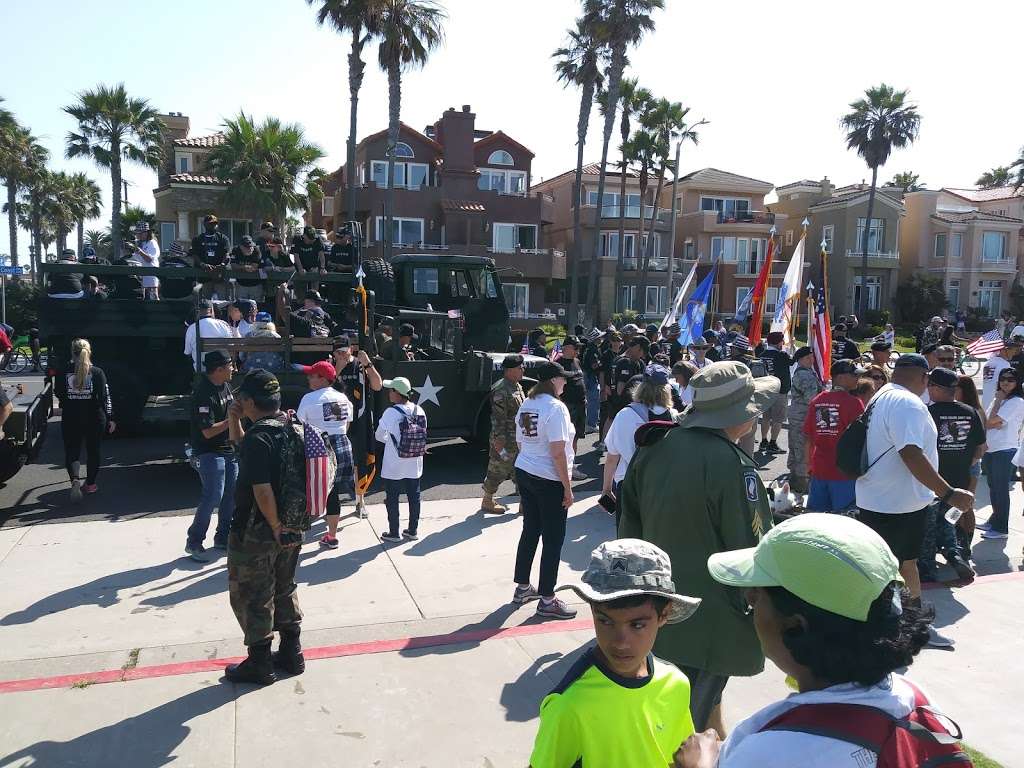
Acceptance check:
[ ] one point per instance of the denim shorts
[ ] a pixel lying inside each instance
(976, 469)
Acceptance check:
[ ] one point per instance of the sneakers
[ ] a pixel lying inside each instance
(937, 640)
(410, 535)
(988, 533)
(392, 537)
(90, 488)
(197, 552)
(599, 445)
(361, 510)
(982, 526)
(76, 491)
(577, 474)
(555, 609)
(331, 542)
(774, 447)
(525, 594)
(963, 569)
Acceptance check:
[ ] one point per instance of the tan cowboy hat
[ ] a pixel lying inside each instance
(725, 395)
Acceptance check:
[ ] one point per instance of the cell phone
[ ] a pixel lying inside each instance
(608, 503)
(288, 538)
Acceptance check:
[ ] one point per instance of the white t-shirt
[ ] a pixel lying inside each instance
(1007, 436)
(211, 328)
(543, 420)
(389, 432)
(1018, 330)
(151, 258)
(990, 378)
(898, 419)
(620, 437)
(747, 747)
(327, 409)
(244, 327)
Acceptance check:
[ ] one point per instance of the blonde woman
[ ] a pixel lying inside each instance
(86, 413)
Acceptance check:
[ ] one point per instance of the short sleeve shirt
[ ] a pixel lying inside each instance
(352, 381)
(989, 378)
(327, 409)
(624, 369)
(777, 363)
(209, 406)
(960, 434)
(258, 464)
(308, 253)
(828, 416)
(543, 420)
(211, 248)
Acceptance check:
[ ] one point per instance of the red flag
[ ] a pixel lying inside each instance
(757, 300)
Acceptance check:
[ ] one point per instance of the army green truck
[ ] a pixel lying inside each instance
(25, 429)
(455, 303)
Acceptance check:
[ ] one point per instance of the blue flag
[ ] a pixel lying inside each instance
(692, 322)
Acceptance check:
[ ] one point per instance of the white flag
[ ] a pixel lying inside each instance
(677, 304)
(788, 302)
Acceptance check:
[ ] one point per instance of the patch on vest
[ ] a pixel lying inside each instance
(750, 482)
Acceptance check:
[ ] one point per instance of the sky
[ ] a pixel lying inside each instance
(771, 79)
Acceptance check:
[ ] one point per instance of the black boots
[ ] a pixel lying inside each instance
(256, 668)
(289, 657)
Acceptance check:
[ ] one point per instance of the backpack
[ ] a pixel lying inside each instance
(413, 435)
(919, 739)
(852, 447)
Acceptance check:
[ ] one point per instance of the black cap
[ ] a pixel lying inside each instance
(314, 296)
(911, 360)
(847, 368)
(512, 361)
(247, 240)
(308, 231)
(929, 349)
(548, 371)
(268, 225)
(571, 341)
(840, 327)
(405, 329)
(651, 328)
(943, 377)
(710, 335)
(640, 341)
(386, 322)
(245, 305)
(218, 358)
(205, 305)
(880, 346)
(210, 219)
(803, 352)
(341, 342)
(260, 383)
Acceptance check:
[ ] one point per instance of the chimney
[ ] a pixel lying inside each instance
(455, 133)
(826, 188)
(177, 125)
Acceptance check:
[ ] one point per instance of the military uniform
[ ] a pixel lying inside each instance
(805, 385)
(506, 397)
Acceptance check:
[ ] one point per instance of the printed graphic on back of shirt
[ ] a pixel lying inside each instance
(74, 393)
(528, 423)
(826, 419)
(953, 432)
(333, 411)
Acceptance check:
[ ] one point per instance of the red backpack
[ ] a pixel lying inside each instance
(919, 739)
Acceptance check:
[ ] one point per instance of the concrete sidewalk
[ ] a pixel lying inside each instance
(86, 597)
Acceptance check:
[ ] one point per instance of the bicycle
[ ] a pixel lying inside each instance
(15, 361)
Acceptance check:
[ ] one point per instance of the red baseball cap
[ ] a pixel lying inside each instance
(323, 369)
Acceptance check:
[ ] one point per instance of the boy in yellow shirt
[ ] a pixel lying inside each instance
(619, 706)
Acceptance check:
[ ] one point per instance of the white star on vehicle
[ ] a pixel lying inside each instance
(428, 392)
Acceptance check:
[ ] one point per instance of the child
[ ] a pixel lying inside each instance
(403, 430)
(619, 705)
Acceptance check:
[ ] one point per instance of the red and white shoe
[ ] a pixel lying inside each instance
(90, 488)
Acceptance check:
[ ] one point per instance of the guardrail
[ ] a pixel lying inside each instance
(895, 255)
(746, 217)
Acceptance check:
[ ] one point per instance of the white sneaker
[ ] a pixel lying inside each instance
(577, 474)
(361, 510)
(937, 640)
(988, 533)
(76, 491)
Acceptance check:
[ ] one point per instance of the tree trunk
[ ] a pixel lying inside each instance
(81, 236)
(621, 255)
(669, 293)
(638, 244)
(394, 113)
(115, 201)
(12, 219)
(863, 308)
(582, 123)
(649, 249)
(356, 66)
(618, 64)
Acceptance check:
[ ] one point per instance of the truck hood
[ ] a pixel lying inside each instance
(529, 361)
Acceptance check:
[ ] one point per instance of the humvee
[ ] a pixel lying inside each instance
(25, 429)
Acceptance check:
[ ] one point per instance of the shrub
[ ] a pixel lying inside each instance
(921, 297)
(626, 317)
(22, 305)
(877, 317)
(978, 320)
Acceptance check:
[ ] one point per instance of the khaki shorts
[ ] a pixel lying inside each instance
(776, 412)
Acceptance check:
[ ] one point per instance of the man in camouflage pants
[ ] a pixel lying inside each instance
(506, 397)
(805, 385)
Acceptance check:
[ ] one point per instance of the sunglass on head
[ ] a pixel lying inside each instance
(878, 377)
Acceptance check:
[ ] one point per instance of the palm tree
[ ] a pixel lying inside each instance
(86, 201)
(408, 30)
(359, 19)
(879, 122)
(1019, 165)
(21, 157)
(314, 189)
(134, 214)
(997, 177)
(643, 150)
(264, 165)
(100, 242)
(579, 64)
(907, 181)
(59, 206)
(619, 24)
(113, 127)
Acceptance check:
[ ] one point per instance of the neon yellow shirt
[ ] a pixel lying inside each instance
(597, 719)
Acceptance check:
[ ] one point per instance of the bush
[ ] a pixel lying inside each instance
(920, 298)
(620, 319)
(906, 341)
(22, 305)
(877, 317)
(978, 320)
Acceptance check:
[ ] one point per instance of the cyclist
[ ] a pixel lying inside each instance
(6, 348)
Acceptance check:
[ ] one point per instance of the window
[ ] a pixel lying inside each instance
(404, 231)
(990, 295)
(940, 245)
(876, 238)
(183, 162)
(956, 245)
(874, 291)
(771, 295)
(508, 237)
(789, 237)
(403, 150)
(458, 284)
(750, 257)
(828, 235)
(689, 250)
(656, 298)
(627, 297)
(953, 293)
(610, 209)
(610, 245)
(483, 280)
(424, 281)
(407, 175)
(168, 234)
(502, 182)
(741, 294)
(500, 157)
(993, 247)
(679, 206)
(729, 207)
(517, 298)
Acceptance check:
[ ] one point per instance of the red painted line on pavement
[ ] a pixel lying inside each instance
(322, 652)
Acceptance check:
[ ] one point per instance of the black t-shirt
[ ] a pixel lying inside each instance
(592, 360)
(539, 351)
(352, 382)
(844, 349)
(960, 434)
(575, 392)
(623, 370)
(777, 363)
(340, 256)
(713, 355)
(308, 253)
(307, 323)
(209, 406)
(211, 248)
(65, 283)
(259, 459)
(255, 258)
(608, 358)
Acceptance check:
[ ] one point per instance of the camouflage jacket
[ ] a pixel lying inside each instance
(506, 398)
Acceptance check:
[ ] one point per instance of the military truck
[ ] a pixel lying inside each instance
(464, 333)
(25, 429)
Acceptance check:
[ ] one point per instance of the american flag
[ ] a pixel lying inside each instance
(556, 352)
(318, 482)
(526, 348)
(986, 345)
(821, 338)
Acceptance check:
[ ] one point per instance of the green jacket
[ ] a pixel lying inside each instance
(506, 398)
(693, 494)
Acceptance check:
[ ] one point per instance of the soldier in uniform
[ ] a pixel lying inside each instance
(506, 397)
(806, 384)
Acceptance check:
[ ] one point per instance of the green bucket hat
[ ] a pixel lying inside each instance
(833, 562)
(400, 384)
(726, 394)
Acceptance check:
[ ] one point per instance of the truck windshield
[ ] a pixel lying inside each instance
(483, 280)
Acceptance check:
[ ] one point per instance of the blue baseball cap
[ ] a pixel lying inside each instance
(656, 374)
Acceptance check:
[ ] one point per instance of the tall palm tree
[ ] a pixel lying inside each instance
(100, 242)
(265, 165)
(21, 157)
(357, 18)
(1019, 165)
(114, 127)
(619, 24)
(86, 201)
(879, 122)
(997, 177)
(907, 181)
(408, 31)
(642, 149)
(579, 64)
(313, 188)
(59, 206)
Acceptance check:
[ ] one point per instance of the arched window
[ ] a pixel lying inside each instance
(500, 157)
(403, 150)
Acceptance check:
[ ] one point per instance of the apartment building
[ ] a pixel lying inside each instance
(839, 218)
(972, 239)
(463, 191)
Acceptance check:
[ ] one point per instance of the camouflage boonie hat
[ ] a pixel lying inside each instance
(629, 567)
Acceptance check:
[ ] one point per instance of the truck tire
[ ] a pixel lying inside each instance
(380, 278)
(128, 394)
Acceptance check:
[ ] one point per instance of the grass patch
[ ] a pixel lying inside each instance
(979, 759)
(133, 660)
(81, 684)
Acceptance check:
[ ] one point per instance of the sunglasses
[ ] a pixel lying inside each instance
(946, 359)
(1011, 379)
(878, 377)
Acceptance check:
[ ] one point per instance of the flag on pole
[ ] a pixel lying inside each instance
(820, 340)
(319, 480)
(556, 352)
(677, 303)
(692, 323)
(787, 305)
(525, 348)
(759, 291)
(986, 345)
(743, 310)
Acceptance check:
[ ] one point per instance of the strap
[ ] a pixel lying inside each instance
(867, 727)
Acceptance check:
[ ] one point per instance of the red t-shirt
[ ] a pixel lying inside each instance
(5, 342)
(828, 415)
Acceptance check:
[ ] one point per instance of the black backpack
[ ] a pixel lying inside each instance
(852, 447)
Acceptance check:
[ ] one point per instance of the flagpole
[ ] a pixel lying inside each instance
(796, 315)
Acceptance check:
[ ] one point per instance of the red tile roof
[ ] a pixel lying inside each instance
(502, 135)
(968, 216)
(403, 128)
(591, 169)
(462, 206)
(215, 140)
(985, 195)
(188, 178)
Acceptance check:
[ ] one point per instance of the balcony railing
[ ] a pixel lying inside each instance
(746, 217)
(894, 255)
(632, 212)
(656, 264)
(532, 251)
